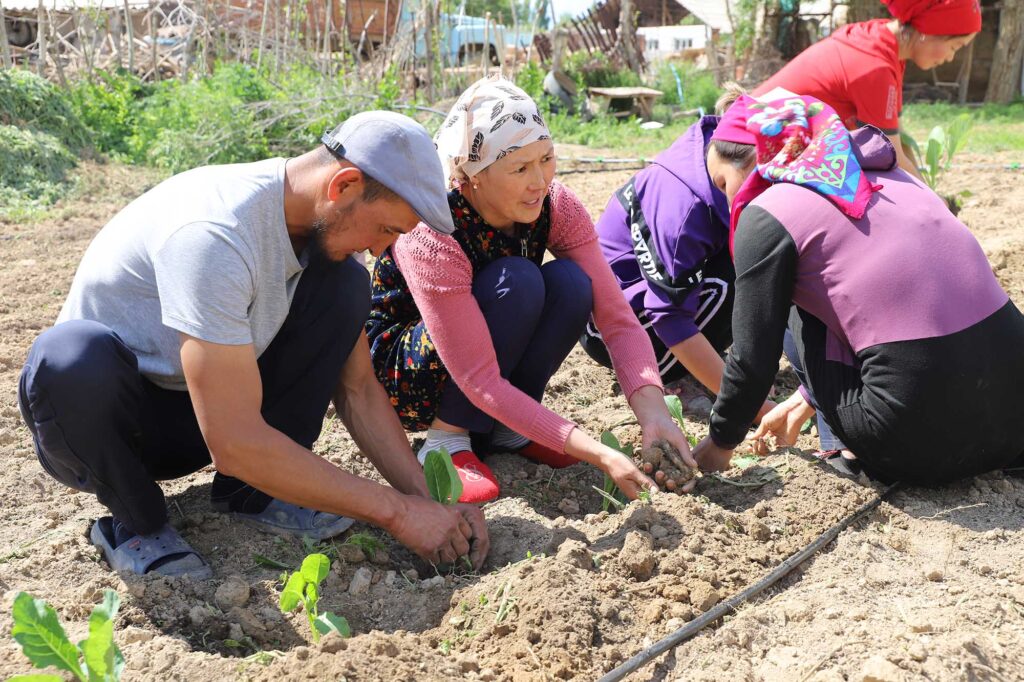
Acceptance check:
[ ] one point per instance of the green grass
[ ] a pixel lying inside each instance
(625, 137)
(997, 128)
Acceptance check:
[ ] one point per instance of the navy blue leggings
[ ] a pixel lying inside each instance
(534, 315)
(99, 426)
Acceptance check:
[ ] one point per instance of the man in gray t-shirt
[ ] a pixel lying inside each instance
(213, 319)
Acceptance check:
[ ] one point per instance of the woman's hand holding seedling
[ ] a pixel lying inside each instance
(627, 476)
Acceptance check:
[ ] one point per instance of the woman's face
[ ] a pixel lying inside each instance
(725, 175)
(512, 189)
(928, 52)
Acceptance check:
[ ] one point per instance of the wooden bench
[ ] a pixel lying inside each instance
(641, 100)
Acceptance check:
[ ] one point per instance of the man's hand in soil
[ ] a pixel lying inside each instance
(782, 424)
(480, 543)
(438, 533)
(710, 457)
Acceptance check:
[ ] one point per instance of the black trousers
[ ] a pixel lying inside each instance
(101, 427)
(925, 411)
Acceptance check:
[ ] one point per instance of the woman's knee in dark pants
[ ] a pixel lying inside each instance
(511, 283)
(568, 291)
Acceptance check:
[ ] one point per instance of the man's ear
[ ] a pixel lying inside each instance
(345, 181)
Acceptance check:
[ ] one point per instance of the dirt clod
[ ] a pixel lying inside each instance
(703, 595)
(638, 554)
(878, 669)
(232, 592)
(574, 553)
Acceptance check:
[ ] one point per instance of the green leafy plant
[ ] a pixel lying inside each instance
(942, 145)
(43, 640)
(443, 480)
(675, 408)
(303, 588)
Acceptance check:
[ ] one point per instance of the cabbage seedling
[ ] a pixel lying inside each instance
(443, 482)
(43, 640)
(303, 587)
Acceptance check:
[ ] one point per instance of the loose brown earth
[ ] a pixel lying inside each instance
(930, 586)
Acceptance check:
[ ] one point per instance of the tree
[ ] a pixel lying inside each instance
(1004, 80)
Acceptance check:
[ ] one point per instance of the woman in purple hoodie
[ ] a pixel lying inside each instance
(905, 342)
(665, 235)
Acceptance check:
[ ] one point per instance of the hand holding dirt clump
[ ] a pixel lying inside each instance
(663, 460)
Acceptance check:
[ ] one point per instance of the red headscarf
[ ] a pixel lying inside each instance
(938, 17)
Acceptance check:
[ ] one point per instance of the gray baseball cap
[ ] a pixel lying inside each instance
(397, 152)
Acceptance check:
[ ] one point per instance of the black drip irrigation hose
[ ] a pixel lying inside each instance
(782, 570)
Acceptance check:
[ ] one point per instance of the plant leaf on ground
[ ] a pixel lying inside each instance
(42, 639)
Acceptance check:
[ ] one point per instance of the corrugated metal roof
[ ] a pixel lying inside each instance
(68, 5)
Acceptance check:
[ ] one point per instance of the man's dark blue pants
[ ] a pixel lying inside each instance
(99, 426)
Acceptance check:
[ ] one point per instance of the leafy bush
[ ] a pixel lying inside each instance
(698, 85)
(28, 101)
(106, 104)
(596, 71)
(531, 79)
(33, 170)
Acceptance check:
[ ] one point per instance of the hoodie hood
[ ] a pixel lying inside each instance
(686, 160)
(873, 148)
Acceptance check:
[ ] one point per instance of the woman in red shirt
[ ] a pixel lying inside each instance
(859, 69)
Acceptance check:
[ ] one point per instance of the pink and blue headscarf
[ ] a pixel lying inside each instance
(799, 140)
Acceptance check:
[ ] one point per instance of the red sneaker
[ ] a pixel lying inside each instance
(478, 481)
(545, 455)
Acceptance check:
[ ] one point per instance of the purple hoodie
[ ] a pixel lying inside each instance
(676, 221)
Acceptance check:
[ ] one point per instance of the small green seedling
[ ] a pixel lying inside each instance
(940, 148)
(675, 408)
(303, 587)
(443, 480)
(43, 640)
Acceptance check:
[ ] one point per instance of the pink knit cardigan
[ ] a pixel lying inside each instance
(440, 278)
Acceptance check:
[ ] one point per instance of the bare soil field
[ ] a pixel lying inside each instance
(929, 587)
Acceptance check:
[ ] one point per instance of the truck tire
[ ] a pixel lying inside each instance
(470, 54)
(20, 33)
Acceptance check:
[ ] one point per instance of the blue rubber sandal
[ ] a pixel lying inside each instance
(164, 552)
(284, 518)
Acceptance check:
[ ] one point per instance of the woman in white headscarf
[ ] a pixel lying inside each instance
(501, 320)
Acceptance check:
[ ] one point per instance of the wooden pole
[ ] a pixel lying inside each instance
(263, 35)
(965, 73)
(328, 25)
(131, 38)
(154, 58)
(485, 56)
(6, 49)
(41, 38)
(55, 41)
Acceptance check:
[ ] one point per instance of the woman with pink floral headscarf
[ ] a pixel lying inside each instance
(895, 321)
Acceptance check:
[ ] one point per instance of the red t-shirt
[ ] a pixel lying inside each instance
(857, 70)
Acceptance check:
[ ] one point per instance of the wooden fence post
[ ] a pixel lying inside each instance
(130, 27)
(1004, 80)
(6, 49)
(41, 39)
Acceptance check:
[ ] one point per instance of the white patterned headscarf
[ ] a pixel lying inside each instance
(492, 118)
